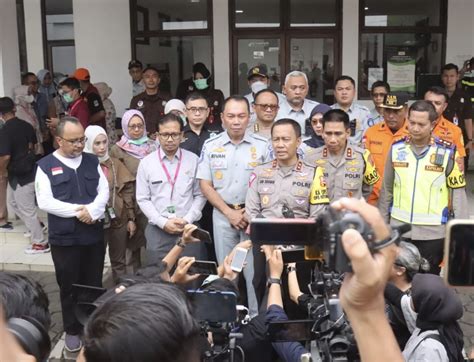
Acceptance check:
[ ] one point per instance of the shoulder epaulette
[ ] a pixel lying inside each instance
(211, 139)
(258, 137)
(402, 140)
(442, 142)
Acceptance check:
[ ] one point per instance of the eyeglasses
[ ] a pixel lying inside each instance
(135, 126)
(79, 141)
(166, 136)
(379, 94)
(272, 107)
(197, 109)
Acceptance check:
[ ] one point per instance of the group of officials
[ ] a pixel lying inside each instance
(261, 167)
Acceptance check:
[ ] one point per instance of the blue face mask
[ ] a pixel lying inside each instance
(200, 83)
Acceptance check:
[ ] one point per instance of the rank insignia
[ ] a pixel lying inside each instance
(218, 175)
(265, 200)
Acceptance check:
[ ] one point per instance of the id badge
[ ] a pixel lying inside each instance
(171, 211)
(111, 212)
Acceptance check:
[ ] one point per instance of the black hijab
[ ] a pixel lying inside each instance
(439, 308)
(315, 141)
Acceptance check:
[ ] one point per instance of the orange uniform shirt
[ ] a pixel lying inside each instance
(378, 139)
(448, 131)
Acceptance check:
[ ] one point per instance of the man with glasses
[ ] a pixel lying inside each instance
(296, 106)
(77, 106)
(73, 190)
(378, 91)
(196, 132)
(226, 164)
(168, 192)
(266, 108)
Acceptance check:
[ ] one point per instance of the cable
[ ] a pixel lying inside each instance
(241, 352)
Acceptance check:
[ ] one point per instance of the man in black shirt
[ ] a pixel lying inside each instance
(459, 110)
(17, 141)
(196, 132)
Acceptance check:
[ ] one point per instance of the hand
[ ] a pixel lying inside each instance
(275, 264)
(267, 250)
(181, 221)
(237, 218)
(131, 228)
(173, 226)
(52, 122)
(363, 289)
(228, 273)
(187, 234)
(180, 275)
(83, 215)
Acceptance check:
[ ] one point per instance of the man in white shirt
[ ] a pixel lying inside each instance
(168, 192)
(71, 187)
(296, 106)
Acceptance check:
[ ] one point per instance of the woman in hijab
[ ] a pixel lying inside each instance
(26, 112)
(178, 108)
(47, 86)
(316, 125)
(132, 147)
(408, 263)
(436, 308)
(119, 223)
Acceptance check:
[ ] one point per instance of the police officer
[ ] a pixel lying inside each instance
(344, 92)
(348, 169)
(284, 185)
(421, 181)
(265, 108)
(226, 163)
(152, 101)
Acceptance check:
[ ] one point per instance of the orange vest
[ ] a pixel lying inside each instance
(448, 131)
(378, 139)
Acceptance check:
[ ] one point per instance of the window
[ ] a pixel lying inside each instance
(403, 45)
(286, 35)
(58, 30)
(172, 35)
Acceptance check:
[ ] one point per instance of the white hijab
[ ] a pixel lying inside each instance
(91, 134)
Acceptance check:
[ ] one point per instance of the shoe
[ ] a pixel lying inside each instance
(7, 226)
(72, 343)
(38, 248)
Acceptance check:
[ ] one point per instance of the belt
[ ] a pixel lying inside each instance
(236, 206)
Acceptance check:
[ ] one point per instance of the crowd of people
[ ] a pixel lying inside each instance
(200, 160)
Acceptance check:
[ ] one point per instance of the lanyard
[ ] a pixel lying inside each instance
(74, 106)
(168, 176)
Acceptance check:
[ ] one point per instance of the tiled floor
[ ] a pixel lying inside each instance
(12, 252)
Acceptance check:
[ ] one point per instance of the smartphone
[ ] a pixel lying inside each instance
(202, 235)
(459, 253)
(203, 267)
(283, 231)
(291, 331)
(212, 306)
(239, 259)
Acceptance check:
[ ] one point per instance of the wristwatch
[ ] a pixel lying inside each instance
(180, 243)
(271, 281)
(290, 268)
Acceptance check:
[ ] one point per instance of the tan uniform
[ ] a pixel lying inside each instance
(349, 175)
(257, 129)
(301, 188)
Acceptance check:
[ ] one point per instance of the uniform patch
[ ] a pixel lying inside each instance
(265, 200)
(319, 191)
(353, 162)
(140, 104)
(434, 168)
(218, 149)
(402, 155)
(253, 164)
(300, 201)
(218, 175)
(57, 171)
(400, 164)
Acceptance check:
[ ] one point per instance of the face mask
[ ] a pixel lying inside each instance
(408, 312)
(68, 98)
(258, 86)
(201, 83)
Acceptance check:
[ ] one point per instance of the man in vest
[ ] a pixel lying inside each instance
(423, 184)
(72, 189)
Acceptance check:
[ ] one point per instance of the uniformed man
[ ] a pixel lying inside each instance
(378, 92)
(92, 97)
(226, 163)
(379, 138)
(286, 183)
(258, 80)
(348, 169)
(152, 101)
(423, 185)
(295, 105)
(265, 108)
(344, 92)
(135, 69)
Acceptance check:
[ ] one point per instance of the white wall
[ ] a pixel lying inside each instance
(103, 45)
(221, 46)
(34, 35)
(460, 40)
(350, 38)
(9, 53)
